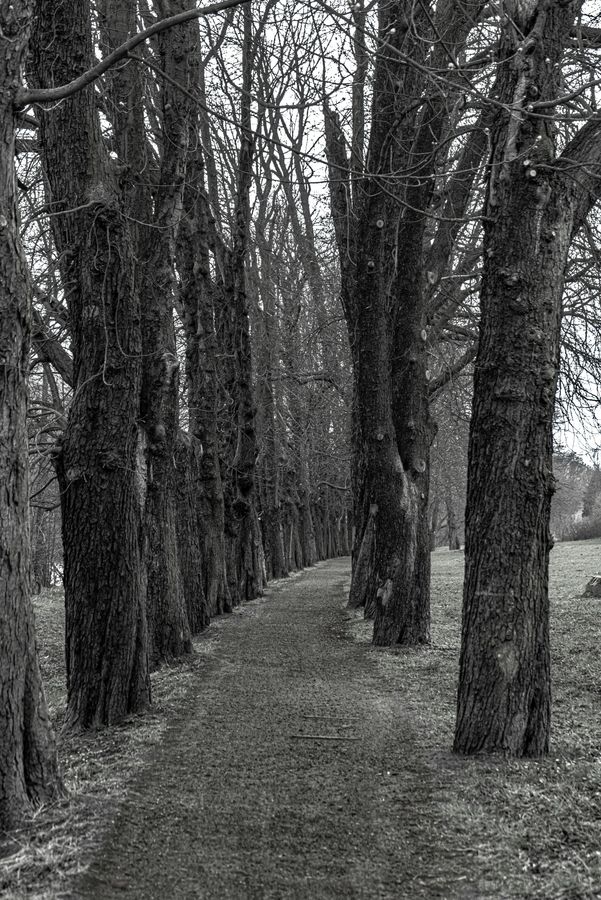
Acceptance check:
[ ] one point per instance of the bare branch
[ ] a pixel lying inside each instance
(52, 95)
(338, 166)
(50, 350)
(458, 366)
(581, 163)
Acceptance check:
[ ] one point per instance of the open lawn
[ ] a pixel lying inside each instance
(525, 829)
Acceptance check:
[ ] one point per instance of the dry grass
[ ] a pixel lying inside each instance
(97, 767)
(527, 829)
(532, 829)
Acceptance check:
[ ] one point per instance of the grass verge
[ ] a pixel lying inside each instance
(57, 844)
(529, 829)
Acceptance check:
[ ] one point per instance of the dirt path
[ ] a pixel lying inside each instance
(293, 772)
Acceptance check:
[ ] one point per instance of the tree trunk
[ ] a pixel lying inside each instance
(203, 382)
(295, 550)
(245, 547)
(344, 541)
(41, 547)
(316, 515)
(189, 530)
(504, 690)
(306, 526)
(102, 485)
(28, 764)
(270, 493)
(169, 630)
(389, 544)
(434, 522)
(452, 527)
(273, 543)
(385, 309)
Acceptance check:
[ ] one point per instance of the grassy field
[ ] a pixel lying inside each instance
(532, 828)
(539, 821)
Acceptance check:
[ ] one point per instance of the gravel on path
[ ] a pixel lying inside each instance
(292, 771)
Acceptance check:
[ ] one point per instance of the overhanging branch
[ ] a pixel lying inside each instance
(52, 95)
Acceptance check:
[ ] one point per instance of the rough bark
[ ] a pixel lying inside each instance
(269, 474)
(306, 526)
(196, 296)
(28, 764)
(299, 416)
(384, 297)
(245, 570)
(102, 487)
(292, 534)
(190, 530)
(169, 630)
(504, 691)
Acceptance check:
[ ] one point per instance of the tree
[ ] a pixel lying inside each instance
(534, 206)
(218, 351)
(166, 606)
(380, 206)
(571, 476)
(175, 601)
(449, 462)
(242, 525)
(101, 462)
(591, 494)
(28, 763)
(202, 379)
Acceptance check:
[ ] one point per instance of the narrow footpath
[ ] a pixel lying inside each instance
(292, 772)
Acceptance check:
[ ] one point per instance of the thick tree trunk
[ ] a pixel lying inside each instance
(293, 538)
(414, 431)
(270, 489)
(189, 530)
(42, 547)
(169, 631)
(383, 292)
(166, 605)
(203, 383)
(28, 763)
(391, 444)
(388, 549)
(504, 690)
(272, 531)
(318, 531)
(344, 538)
(306, 526)
(245, 552)
(102, 486)
(103, 489)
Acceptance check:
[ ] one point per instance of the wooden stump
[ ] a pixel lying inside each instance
(593, 588)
